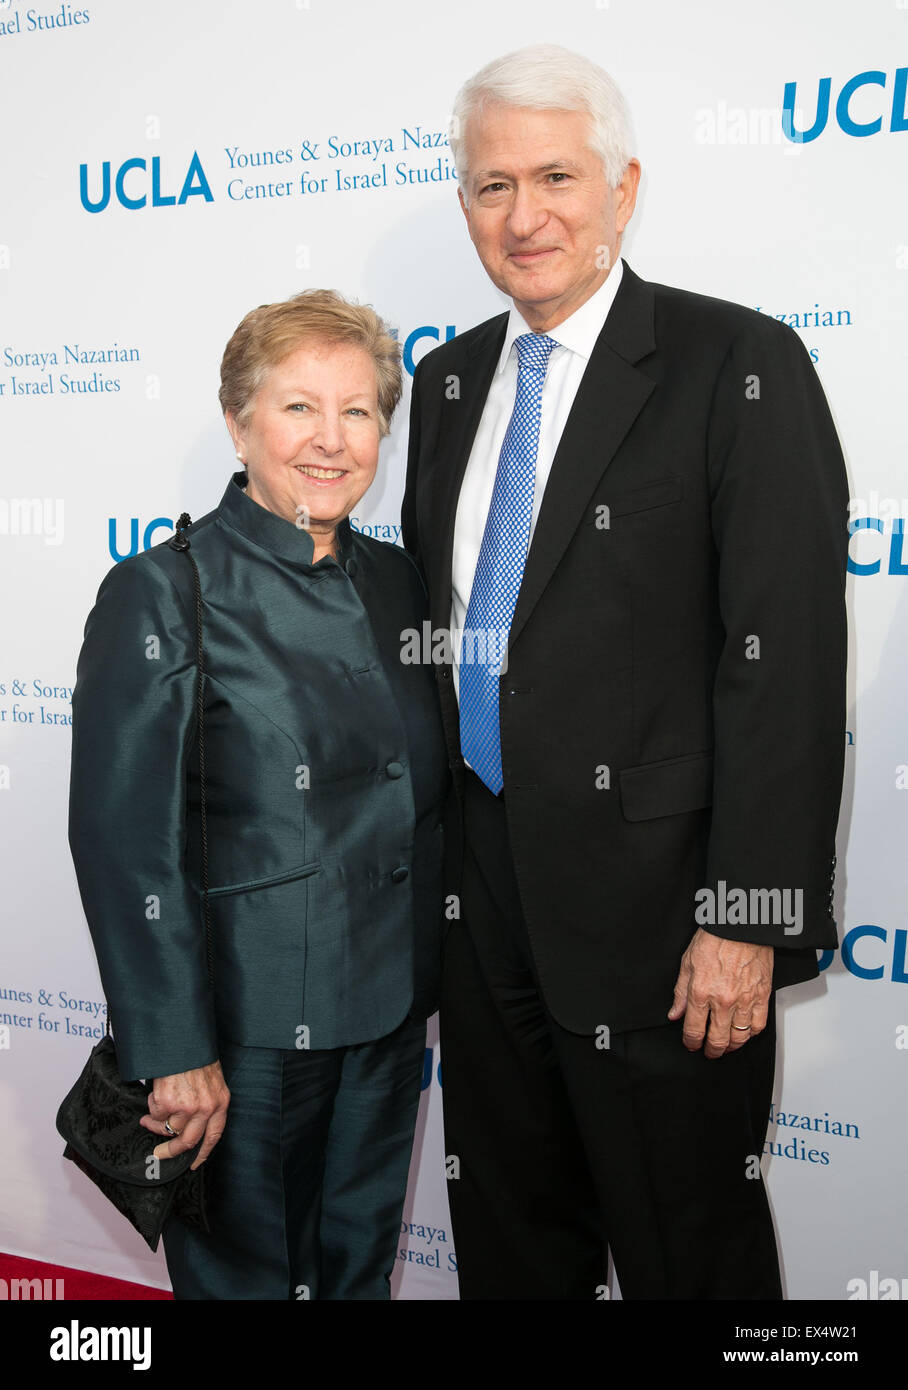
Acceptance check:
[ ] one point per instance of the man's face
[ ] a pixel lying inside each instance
(541, 215)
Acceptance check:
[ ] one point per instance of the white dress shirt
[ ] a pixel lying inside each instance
(575, 338)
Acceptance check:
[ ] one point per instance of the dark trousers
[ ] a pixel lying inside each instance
(307, 1183)
(567, 1147)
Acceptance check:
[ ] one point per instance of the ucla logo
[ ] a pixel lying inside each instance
(898, 116)
(135, 196)
(427, 330)
(160, 523)
(895, 559)
(872, 962)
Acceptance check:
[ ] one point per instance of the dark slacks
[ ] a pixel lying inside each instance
(307, 1183)
(567, 1147)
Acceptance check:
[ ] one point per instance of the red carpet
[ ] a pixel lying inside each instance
(74, 1283)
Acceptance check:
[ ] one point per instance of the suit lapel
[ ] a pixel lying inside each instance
(459, 423)
(611, 395)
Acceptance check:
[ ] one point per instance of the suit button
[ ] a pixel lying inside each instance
(395, 769)
(351, 567)
(444, 673)
(398, 875)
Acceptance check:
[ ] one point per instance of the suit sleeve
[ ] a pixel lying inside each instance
(779, 514)
(133, 731)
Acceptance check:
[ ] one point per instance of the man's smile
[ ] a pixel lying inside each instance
(532, 257)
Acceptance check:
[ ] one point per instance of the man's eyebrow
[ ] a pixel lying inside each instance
(551, 166)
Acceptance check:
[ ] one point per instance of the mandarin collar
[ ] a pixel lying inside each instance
(273, 532)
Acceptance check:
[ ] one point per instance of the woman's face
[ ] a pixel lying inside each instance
(311, 441)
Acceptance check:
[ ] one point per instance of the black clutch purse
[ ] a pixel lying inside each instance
(99, 1119)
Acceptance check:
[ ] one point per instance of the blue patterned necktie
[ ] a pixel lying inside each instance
(499, 569)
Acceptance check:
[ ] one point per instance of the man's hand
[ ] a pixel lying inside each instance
(728, 982)
(194, 1103)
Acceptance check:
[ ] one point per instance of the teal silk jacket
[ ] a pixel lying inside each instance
(326, 773)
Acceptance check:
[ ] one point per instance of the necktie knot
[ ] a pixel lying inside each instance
(533, 350)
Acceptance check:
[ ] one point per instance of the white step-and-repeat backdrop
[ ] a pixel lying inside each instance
(166, 167)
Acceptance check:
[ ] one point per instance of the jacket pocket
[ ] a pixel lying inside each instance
(667, 788)
(658, 493)
(288, 876)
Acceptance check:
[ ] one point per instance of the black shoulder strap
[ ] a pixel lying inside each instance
(180, 541)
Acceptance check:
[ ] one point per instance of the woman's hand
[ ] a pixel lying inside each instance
(194, 1103)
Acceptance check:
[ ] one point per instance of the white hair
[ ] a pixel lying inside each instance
(546, 77)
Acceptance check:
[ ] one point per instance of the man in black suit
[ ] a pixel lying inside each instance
(641, 490)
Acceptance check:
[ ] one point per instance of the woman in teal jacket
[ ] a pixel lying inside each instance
(297, 1064)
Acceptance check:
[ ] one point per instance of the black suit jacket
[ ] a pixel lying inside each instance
(673, 708)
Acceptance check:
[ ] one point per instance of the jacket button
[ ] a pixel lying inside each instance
(444, 673)
(400, 874)
(395, 769)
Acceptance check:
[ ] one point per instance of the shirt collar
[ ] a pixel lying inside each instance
(578, 332)
(273, 532)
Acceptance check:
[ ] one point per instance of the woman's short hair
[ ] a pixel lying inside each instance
(547, 77)
(270, 333)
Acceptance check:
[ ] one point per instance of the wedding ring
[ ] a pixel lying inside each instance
(174, 1133)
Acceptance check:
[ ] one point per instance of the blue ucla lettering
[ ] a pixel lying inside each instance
(426, 331)
(900, 101)
(160, 523)
(842, 114)
(848, 943)
(115, 553)
(122, 196)
(872, 77)
(102, 202)
(193, 173)
(864, 970)
(803, 137)
(899, 974)
(897, 564)
(864, 523)
(195, 185)
(159, 199)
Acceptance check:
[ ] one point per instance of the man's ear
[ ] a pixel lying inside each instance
(626, 194)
